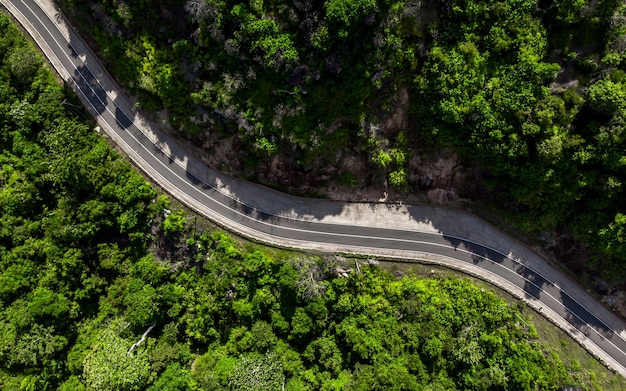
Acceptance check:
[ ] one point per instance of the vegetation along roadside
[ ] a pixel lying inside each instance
(105, 286)
(513, 104)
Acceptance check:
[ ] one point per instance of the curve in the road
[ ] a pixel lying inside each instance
(195, 185)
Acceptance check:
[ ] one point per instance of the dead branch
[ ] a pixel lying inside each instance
(143, 338)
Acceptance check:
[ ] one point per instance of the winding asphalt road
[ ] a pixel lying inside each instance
(451, 238)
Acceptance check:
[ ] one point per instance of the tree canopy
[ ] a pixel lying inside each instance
(104, 287)
(307, 96)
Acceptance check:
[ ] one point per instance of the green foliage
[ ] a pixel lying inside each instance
(108, 366)
(382, 159)
(72, 384)
(607, 96)
(348, 179)
(66, 199)
(570, 10)
(174, 223)
(613, 238)
(24, 63)
(367, 332)
(267, 146)
(212, 369)
(398, 179)
(256, 372)
(174, 378)
(100, 291)
(345, 15)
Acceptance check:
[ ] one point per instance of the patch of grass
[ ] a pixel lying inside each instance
(586, 370)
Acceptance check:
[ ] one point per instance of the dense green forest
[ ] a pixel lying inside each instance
(530, 94)
(103, 287)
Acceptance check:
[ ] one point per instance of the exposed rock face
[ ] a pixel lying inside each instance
(300, 74)
(424, 183)
(616, 302)
(333, 63)
(441, 196)
(443, 171)
(346, 172)
(399, 119)
(601, 287)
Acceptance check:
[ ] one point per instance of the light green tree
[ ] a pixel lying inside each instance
(109, 365)
(345, 14)
(255, 372)
(174, 223)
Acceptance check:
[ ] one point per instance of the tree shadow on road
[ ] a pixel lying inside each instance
(483, 256)
(122, 119)
(91, 89)
(583, 316)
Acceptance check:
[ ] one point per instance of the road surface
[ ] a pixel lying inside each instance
(446, 237)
